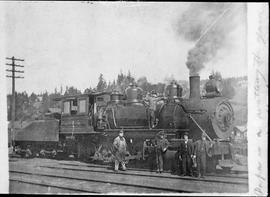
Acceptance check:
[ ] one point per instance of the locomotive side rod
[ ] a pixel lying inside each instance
(191, 117)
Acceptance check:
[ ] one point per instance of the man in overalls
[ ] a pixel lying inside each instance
(162, 145)
(120, 149)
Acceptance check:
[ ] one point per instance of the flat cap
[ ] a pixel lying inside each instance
(186, 133)
(203, 135)
(161, 133)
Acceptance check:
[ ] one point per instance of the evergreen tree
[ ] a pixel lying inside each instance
(61, 90)
(120, 78)
(88, 90)
(130, 79)
(101, 86)
(72, 91)
(113, 85)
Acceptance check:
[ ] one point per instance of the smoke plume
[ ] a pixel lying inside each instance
(208, 25)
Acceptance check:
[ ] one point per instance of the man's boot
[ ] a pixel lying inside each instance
(124, 167)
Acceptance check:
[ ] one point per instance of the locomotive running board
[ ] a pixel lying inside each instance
(76, 133)
(146, 129)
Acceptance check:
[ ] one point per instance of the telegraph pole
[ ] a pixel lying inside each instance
(13, 71)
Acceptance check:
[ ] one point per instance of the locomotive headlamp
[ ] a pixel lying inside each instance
(219, 85)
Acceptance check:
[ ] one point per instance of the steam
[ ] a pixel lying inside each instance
(208, 25)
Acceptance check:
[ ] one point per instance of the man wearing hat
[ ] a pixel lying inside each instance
(201, 151)
(162, 145)
(120, 150)
(186, 151)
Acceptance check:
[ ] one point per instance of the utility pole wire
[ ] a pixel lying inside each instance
(13, 71)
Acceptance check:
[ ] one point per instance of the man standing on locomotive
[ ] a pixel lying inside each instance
(162, 145)
(186, 151)
(201, 151)
(153, 99)
(120, 150)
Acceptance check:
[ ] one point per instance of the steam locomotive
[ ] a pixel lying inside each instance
(89, 122)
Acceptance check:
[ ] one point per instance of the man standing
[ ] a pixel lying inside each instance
(201, 151)
(162, 145)
(153, 100)
(120, 150)
(186, 150)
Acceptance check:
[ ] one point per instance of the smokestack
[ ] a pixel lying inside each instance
(194, 86)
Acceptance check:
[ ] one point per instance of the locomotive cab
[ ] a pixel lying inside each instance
(77, 113)
(77, 131)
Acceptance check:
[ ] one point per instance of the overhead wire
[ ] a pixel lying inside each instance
(212, 24)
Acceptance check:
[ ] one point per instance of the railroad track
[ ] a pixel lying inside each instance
(72, 177)
(86, 184)
(132, 172)
(232, 174)
(44, 187)
(240, 176)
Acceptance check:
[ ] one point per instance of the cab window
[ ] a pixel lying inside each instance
(74, 107)
(100, 99)
(66, 107)
(70, 107)
(82, 105)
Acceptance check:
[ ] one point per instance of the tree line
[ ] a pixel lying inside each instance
(34, 106)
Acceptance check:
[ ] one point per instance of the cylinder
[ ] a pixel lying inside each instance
(194, 84)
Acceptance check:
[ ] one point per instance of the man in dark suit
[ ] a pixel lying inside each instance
(186, 151)
(201, 150)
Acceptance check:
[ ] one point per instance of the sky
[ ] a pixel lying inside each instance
(71, 43)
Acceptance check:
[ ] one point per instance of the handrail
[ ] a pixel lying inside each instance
(199, 126)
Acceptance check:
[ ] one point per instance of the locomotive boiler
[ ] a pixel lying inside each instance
(128, 113)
